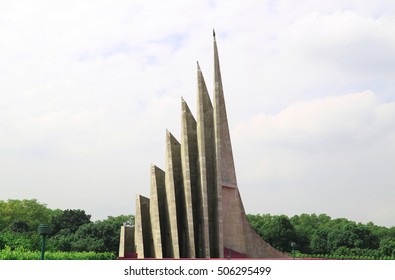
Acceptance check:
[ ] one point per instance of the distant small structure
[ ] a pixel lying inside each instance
(195, 209)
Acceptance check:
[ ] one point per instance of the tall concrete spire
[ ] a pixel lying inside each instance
(189, 159)
(206, 151)
(174, 189)
(226, 164)
(157, 210)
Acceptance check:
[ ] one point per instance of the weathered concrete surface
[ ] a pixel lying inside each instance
(238, 233)
(233, 227)
(204, 131)
(173, 180)
(157, 196)
(189, 156)
(143, 233)
(224, 166)
(126, 241)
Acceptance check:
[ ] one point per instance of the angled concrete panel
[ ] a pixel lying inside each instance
(143, 233)
(138, 230)
(164, 218)
(157, 209)
(189, 157)
(126, 241)
(176, 197)
(224, 146)
(171, 197)
(206, 150)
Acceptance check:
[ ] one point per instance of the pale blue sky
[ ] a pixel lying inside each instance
(87, 89)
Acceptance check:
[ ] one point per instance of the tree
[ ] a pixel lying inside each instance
(69, 220)
(282, 233)
(29, 211)
(276, 230)
(260, 222)
(19, 226)
(305, 225)
(318, 243)
(62, 241)
(99, 236)
(28, 240)
(387, 246)
(352, 235)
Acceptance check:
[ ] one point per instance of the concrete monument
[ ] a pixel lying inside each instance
(195, 209)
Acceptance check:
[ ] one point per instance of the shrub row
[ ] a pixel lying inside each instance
(341, 257)
(22, 254)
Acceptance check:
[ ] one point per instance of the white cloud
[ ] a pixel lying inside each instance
(323, 155)
(307, 55)
(356, 44)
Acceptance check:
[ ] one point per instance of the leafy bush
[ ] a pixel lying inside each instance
(342, 257)
(28, 240)
(22, 254)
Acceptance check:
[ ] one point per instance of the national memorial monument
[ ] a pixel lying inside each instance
(195, 208)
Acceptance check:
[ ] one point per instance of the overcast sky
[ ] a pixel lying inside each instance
(88, 88)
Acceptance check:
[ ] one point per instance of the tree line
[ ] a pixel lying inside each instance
(72, 229)
(320, 234)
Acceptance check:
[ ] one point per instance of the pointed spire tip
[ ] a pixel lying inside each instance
(213, 32)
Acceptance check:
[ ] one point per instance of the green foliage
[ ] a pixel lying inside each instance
(316, 236)
(318, 241)
(61, 241)
(69, 220)
(351, 235)
(29, 240)
(387, 246)
(276, 230)
(308, 235)
(99, 236)
(80, 256)
(72, 230)
(22, 254)
(102, 236)
(337, 256)
(30, 212)
(19, 226)
(321, 235)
